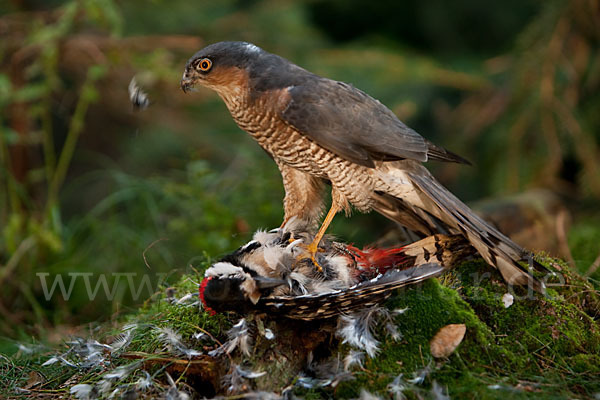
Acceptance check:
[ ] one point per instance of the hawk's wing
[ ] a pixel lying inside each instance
(353, 125)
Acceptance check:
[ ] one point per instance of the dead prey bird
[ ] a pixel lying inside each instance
(266, 274)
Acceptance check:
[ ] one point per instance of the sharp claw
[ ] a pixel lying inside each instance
(310, 253)
(293, 244)
(316, 264)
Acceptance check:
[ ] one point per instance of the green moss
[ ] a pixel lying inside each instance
(185, 320)
(549, 342)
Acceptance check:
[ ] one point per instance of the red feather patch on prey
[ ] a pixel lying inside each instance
(377, 261)
(201, 290)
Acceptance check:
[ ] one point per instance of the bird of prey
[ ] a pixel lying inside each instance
(320, 131)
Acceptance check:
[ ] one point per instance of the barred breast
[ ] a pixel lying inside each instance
(285, 144)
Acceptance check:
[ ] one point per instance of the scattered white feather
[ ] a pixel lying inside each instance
(114, 393)
(397, 388)
(121, 371)
(173, 393)
(25, 349)
(269, 335)
(83, 391)
(236, 379)
(353, 358)
(185, 299)
(137, 96)
(393, 331)
(420, 375)
(329, 373)
(56, 359)
(438, 392)
(357, 330)
(399, 311)
(51, 361)
(145, 382)
(173, 343)
(124, 339)
(244, 373)
(239, 337)
(104, 385)
(365, 395)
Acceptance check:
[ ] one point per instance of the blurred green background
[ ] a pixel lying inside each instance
(88, 184)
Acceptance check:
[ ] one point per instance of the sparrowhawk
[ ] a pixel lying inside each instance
(320, 131)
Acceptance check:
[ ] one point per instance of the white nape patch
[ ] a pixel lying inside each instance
(262, 237)
(340, 266)
(252, 48)
(223, 269)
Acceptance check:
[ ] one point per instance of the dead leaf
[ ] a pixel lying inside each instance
(35, 379)
(447, 340)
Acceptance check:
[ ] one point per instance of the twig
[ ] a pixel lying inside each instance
(595, 265)
(561, 235)
(16, 257)
(184, 372)
(148, 248)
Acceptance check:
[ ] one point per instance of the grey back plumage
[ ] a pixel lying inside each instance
(350, 123)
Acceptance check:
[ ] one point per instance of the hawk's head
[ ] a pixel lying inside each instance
(222, 66)
(240, 68)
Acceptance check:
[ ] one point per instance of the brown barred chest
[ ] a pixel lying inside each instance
(286, 145)
(280, 140)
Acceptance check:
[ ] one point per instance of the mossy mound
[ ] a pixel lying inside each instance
(538, 347)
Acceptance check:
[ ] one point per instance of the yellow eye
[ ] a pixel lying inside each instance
(204, 65)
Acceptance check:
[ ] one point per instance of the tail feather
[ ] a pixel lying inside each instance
(494, 247)
(425, 193)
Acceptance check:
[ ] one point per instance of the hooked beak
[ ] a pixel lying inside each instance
(186, 84)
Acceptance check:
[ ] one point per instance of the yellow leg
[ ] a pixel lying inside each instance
(314, 246)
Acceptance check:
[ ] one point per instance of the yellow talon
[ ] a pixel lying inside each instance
(310, 253)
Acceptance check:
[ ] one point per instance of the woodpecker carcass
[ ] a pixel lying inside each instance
(269, 274)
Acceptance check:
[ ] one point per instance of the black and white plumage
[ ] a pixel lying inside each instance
(268, 275)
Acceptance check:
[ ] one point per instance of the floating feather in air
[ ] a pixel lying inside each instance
(137, 96)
